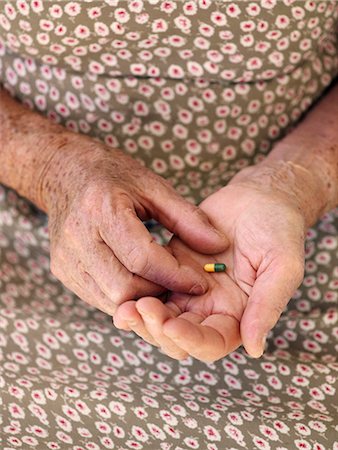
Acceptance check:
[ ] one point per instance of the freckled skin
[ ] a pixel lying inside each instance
(264, 211)
(96, 199)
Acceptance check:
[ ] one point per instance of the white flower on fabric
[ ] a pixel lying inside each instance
(64, 437)
(282, 21)
(189, 8)
(19, 67)
(206, 30)
(72, 100)
(261, 443)
(117, 28)
(37, 5)
(119, 432)
(301, 444)
(201, 43)
(175, 71)
(218, 18)
(233, 10)
(82, 32)
(247, 26)
(156, 431)
(254, 63)
(317, 426)
(139, 433)
(63, 423)
(41, 102)
(191, 442)
(117, 408)
(96, 67)
(235, 433)
(204, 4)
(302, 429)
(10, 11)
(121, 15)
(136, 6)
(103, 427)
(43, 38)
(268, 4)
(247, 40)
(195, 68)
(94, 13)
(182, 23)
(16, 411)
(195, 103)
(101, 29)
(269, 432)
(276, 58)
(72, 8)
(71, 413)
(39, 431)
(159, 26)
(22, 7)
(298, 12)
(56, 11)
(253, 9)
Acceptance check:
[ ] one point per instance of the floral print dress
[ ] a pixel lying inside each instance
(196, 90)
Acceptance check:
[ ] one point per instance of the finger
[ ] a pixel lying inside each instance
(113, 278)
(154, 314)
(126, 314)
(140, 254)
(209, 341)
(270, 294)
(188, 222)
(128, 318)
(87, 289)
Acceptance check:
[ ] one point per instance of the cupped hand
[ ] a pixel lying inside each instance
(265, 259)
(97, 199)
(205, 326)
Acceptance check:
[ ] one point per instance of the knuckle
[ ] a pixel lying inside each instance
(199, 214)
(137, 262)
(120, 295)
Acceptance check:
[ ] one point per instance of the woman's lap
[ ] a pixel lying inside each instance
(70, 380)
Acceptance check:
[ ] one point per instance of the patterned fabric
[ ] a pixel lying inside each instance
(196, 90)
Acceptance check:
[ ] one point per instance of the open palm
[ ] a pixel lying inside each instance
(265, 265)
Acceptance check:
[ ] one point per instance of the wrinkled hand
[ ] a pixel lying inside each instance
(100, 248)
(265, 266)
(204, 326)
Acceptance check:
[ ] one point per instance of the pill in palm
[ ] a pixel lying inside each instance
(216, 267)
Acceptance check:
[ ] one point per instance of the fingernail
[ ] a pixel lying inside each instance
(260, 346)
(263, 342)
(198, 289)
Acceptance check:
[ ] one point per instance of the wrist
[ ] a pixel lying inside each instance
(318, 156)
(292, 182)
(71, 158)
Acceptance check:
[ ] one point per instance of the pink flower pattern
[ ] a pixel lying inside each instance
(196, 90)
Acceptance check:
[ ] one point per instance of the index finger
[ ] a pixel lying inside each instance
(136, 249)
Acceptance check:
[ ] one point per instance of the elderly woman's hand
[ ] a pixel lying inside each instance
(260, 213)
(96, 199)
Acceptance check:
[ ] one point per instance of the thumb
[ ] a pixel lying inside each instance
(189, 223)
(270, 294)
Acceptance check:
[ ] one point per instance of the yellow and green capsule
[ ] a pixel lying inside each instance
(217, 267)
